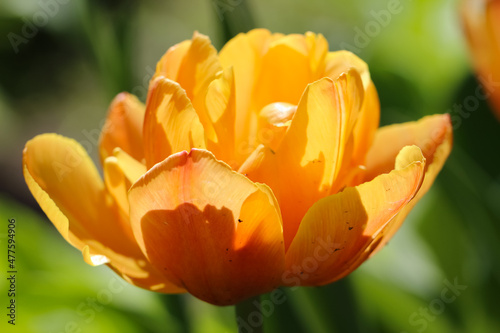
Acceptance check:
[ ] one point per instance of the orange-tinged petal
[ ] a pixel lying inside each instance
(171, 124)
(208, 228)
(66, 184)
(123, 127)
(482, 28)
(433, 134)
(428, 133)
(339, 231)
(312, 151)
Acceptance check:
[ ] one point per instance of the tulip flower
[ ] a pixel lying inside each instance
(482, 28)
(255, 167)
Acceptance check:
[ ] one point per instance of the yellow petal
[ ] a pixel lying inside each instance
(221, 111)
(353, 168)
(318, 50)
(171, 124)
(123, 127)
(120, 172)
(195, 64)
(117, 183)
(208, 228)
(339, 62)
(132, 168)
(338, 232)
(285, 72)
(307, 163)
(367, 125)
(169, 65)
(199, 67)
(66, 184)
(433, 134)
(244, 54)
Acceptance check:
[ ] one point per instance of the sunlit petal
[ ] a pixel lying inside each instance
(208, 228)
(338, 232)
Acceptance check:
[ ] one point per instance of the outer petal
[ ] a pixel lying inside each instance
(64, 181)
(123, 127)
(312, 150)
(338, 232)
(171, 124)
(433, 134)
(208, 228)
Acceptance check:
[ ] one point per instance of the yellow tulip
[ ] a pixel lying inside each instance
(482, 27)
(256, 167)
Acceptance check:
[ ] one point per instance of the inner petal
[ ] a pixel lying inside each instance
(274, 120)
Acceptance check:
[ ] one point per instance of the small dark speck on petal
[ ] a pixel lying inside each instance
(272, 151)
(350, 228)
(227, 249)
(336, 250)
(230, 260)
(240, 220)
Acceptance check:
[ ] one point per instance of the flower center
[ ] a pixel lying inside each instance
(274, 120)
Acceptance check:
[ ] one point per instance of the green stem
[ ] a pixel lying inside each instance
(249, 316)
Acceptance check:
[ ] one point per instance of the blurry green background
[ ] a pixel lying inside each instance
(62, 75)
